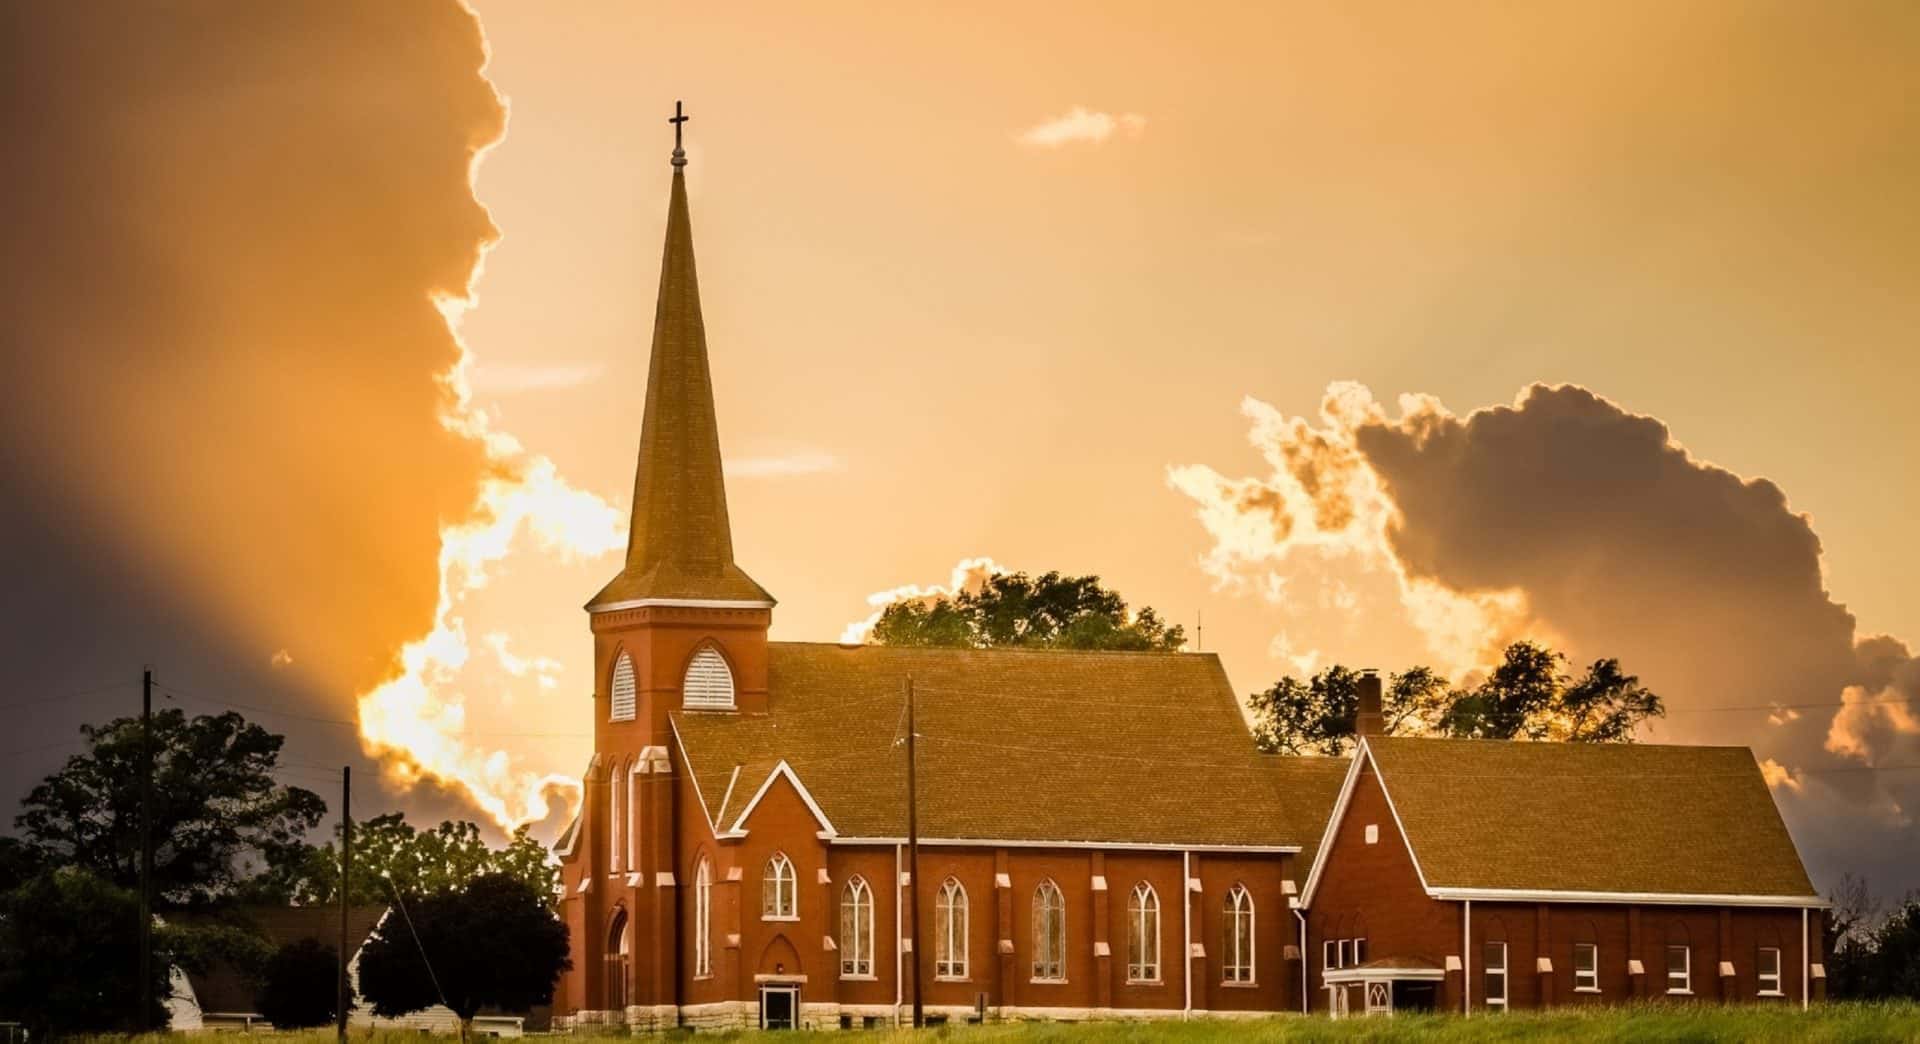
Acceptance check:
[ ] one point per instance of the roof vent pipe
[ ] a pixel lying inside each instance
(1368, 720)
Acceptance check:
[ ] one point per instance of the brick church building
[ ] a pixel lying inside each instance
(1097, 835)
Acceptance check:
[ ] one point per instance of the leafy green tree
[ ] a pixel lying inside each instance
(390, 854)
(493, 943)
(300, 985)
(217, 808)
(19, 862)
(1527, 696)
(1049, 611)
(69, 957)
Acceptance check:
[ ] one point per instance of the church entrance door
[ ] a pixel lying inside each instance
(779, 1006)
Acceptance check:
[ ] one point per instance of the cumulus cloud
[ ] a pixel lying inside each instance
(1082, 126)
(237, 238)
(508, 378)
(1567, 518)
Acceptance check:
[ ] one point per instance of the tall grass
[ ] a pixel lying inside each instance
(1849, 1022)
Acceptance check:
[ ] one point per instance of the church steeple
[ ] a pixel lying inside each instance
(680, 548)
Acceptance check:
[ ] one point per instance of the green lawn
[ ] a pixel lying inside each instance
(1836, 1022)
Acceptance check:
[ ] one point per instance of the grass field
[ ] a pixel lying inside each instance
(1836, 1022)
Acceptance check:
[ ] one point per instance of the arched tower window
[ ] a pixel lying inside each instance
(856, 928)
(622, 689)
(779, 890)
(709, 682)
(1143, 934)
(618, 961)
(616, 812)
(703, 919)
(950, 931)
(1049, 933)
(1239, 935)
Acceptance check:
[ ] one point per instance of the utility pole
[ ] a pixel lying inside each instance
(145, 1021)
(346, 877)
(913, 862)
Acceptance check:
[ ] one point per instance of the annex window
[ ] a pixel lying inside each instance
(1359, 951)
(856, 928)
(1679, 969)
(1143, 934)
(950, 932)
(622, 689)
(1586, 967)
(1768, 964)
(779, 890)
(1049, 933)
(1329, 954)
(1493, 960)
(703, 919)
(1239, 935)
(709, 682)
(1343, 953)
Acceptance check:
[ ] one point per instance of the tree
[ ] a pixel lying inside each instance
(389, 854)
(216, 806)
(69, 946)
(1527, 696)
(300, 986)
(1050, 611)
(493, 943)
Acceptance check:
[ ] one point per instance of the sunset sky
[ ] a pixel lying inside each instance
(1201, 300)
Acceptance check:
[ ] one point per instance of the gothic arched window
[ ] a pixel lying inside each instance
(950, 931)
(618, 960)
(709, 682)
(856, 929)
(1239, 935)
(779, 890)
(1049, 933)
(1143, 934)
(616, 786)
(703, 919)
(622, 689)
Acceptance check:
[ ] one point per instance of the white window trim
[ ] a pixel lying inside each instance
(1142, 904)
(1044, 889)
(1686, 971)
(861, 951)
(1778, 975)
(1237, 895)
(1594, 974)
(1506, 978)
(954, 895)
(786, 889)
(703, 920)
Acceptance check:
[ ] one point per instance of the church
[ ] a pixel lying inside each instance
(1097, 836)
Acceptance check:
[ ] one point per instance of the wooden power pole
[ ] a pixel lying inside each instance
(346, 878)
(913, 862)
(145, 1020)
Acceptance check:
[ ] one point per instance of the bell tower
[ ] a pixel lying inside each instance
(680, 628)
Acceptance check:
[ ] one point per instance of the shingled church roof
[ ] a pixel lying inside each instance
(1017, 745)
(1590, 818)
(680, 546)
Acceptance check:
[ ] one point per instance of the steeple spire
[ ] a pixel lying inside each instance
(680, 548)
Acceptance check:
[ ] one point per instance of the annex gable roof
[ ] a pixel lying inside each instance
(1024, 746)
(1623, 822)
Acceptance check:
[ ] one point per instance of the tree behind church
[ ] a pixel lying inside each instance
(1015, 610)
(1528, 695)
(494, 943)
(390, 854)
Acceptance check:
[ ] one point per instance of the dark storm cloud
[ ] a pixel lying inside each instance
(223, 231)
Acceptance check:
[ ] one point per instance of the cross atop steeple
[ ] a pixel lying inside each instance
(678, 118)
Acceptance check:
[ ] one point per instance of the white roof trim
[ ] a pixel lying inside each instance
(1333, 823)
(783, 769)
(1381, 974)
(1131, 846)
(727, 798)
(683, 603)
(1525, 895)
(692, 779)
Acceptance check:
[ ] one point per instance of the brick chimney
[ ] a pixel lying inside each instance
(1369, 721)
